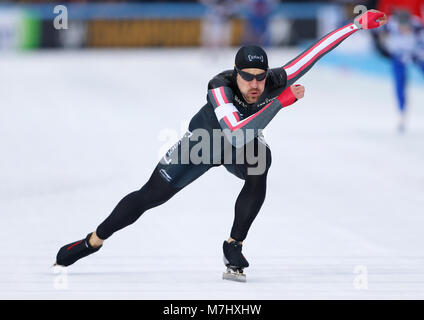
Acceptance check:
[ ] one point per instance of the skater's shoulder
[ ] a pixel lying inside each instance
(277, 77)
(223, 79)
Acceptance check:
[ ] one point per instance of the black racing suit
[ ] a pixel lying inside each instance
(226, 123)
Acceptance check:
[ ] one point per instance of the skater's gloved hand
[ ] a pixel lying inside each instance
(291, 95)
(371, 19)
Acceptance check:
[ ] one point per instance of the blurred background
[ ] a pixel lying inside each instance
(211, 25)
(137, 23)
(93, 24)
(92, 93)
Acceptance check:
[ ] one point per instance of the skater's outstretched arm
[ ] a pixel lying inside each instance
(229, 117)
(305, 61)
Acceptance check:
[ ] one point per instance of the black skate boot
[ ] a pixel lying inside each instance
(234, 261)
(74, 251)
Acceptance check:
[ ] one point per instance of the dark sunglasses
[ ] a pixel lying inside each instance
(249, 77)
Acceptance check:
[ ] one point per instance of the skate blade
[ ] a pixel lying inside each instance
(234, 276)
(55, 265)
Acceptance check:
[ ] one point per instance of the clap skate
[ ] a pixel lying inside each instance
(74, 251)
(234, 261)
(234, 273)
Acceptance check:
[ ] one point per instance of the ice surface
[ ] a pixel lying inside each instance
(79, 130)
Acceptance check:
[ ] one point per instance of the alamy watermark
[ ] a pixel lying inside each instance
(360, 282)
(61, 19)
(61, 280)
(216, 146)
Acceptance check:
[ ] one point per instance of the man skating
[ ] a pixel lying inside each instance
(240, 103)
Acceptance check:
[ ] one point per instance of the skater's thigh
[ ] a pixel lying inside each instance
(177, 168)
(181, 175)
(256, 159)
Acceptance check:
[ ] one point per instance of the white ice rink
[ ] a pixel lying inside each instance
(80, 130)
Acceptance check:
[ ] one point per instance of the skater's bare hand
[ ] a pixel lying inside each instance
(298, 91)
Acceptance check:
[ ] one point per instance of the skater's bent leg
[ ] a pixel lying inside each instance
(249, 202)
(154, 193)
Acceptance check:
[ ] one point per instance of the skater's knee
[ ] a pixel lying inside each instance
(258, 170)
(257, 180)
(135, 201)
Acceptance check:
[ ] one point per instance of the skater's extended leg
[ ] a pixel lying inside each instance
(165, 181)
(154, 193)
